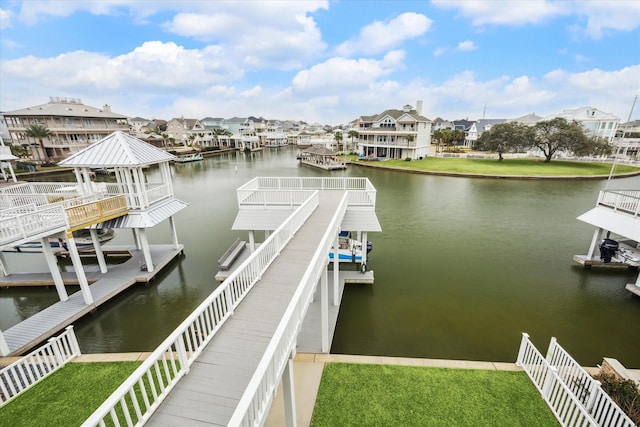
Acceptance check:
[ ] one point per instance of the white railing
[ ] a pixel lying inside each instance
(623, 200)
(35, 366)
(361, 191)
(32, 224)
(275, 198)
(256, 400)
(141, 394)
(575, 398)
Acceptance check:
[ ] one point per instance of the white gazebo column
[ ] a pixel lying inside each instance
(136, 238)
(53, 268)
(336, 270)
(4, 347)
(98, 249)
(145, 248)
(174, 233)
(592, 248)
(324, 310)
(77, 266)
(252, 241)
(363, 242)
(288, 394)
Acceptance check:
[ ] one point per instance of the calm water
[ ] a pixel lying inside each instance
(462, 268)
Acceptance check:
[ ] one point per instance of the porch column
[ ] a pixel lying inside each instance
(288, 394)
(596, 236)
(98, 249)
(145, 248)
(336, 270)
(252, 241)
(4, 347)
(174, 233)
(324, 310)
(53, 268)
(136, 238)
(77, 266)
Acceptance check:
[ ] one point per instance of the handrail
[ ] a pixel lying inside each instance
(32, 224)
(257, 397)
(37, 365)
(624, 200)
(161, 371)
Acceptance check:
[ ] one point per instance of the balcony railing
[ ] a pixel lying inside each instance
(621, 200)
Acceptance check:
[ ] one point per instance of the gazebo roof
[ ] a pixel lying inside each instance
(117, 150)
(318, 150)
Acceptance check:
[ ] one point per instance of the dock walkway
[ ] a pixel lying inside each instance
(37, 328)
(211, 391)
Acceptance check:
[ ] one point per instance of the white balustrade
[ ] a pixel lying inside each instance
(135, 400)
(35, 366)
(574, 397)
(623, 200)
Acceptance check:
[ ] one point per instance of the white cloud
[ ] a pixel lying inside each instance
(341, 74)
(380, 36)
(467, 46)
(6, 17)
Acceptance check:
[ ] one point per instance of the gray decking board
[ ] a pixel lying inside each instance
(37, 328)
(244, 337)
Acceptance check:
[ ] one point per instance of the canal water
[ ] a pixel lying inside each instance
(462, 268)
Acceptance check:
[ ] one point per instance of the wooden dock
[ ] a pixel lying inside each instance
(39, 327)
(585, 261)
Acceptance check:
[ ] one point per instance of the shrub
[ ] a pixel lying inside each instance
(624, 392)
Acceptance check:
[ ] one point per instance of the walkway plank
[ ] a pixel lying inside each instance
(209, 394)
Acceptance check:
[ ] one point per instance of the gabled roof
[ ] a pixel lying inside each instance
(319, 150)
(529, 119)
(395, 114)
(66, 108)
(117, 149)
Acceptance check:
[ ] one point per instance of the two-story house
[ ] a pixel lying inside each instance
(72, 126)
(594, 121)
(187, 131)
(395, 134)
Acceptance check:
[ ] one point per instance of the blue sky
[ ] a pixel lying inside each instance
(322, 61)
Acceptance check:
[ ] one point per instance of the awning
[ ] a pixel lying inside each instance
(619, 223)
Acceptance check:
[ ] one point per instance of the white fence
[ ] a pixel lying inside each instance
(24, 373)
(139, 396)
(575, 398)
(623, 200)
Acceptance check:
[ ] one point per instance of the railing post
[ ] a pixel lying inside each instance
(73, 340)
(53, 343)
(4, 347)
(523, 347)
(228, 300)
(553, 343)
(182, 354)
(594, 388)
(548, 382)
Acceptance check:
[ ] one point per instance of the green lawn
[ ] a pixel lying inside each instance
(383, 395)
(517, 167)
(68, 396)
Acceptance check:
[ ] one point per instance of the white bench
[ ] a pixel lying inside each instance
(231, 254)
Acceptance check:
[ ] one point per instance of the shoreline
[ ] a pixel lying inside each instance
(489, 176)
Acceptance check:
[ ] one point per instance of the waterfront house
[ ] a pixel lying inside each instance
(72, 126)
(395, 134)
(186, 131)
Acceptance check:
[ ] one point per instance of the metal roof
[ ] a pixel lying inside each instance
(619, 223)
(148, 218)
(117, 150)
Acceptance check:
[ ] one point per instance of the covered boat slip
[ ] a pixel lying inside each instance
(617, 212)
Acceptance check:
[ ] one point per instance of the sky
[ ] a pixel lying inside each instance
(326, 62)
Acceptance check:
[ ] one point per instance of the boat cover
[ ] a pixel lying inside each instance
(620, 223)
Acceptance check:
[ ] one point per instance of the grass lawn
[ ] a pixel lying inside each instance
(68, 396)
(383, 395)
(519, 167)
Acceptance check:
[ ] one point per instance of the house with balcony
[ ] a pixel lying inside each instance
(187, 131)
(595, 122)
(395, 134)
(72, 126)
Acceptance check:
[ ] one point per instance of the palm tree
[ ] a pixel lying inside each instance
(352, 134)
(39, 132)
(338, 138)
(220, 132)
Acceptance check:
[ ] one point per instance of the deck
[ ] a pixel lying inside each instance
(39, 327)
(209, 394)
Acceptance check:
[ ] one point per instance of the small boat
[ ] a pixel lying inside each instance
(349, 250)
(186, 158)
(623, 251)
(81, 237)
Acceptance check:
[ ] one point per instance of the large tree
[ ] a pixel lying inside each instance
(38, 132)
(505, 137)
(352, 134)
(558, 134)
(338, 138)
